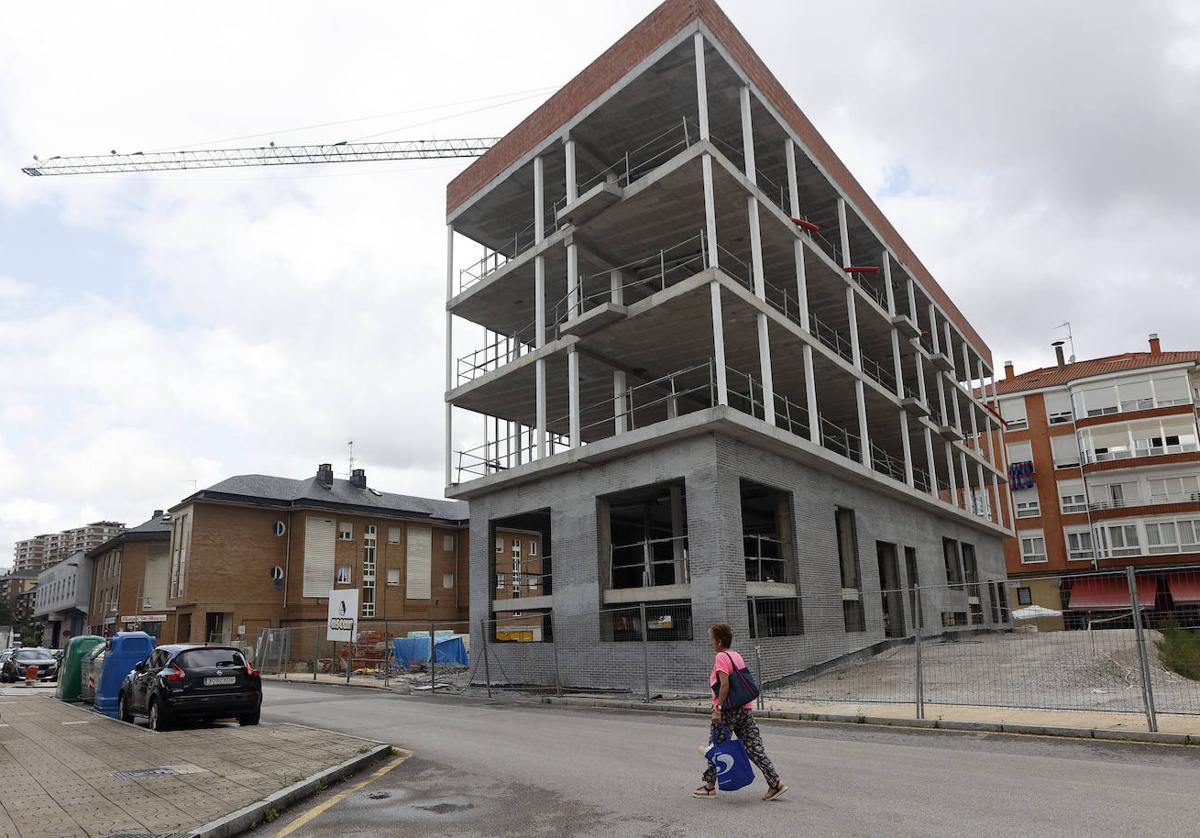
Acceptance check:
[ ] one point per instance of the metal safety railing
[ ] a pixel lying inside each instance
(651, 562)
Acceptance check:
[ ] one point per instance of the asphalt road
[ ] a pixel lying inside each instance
(484, 769)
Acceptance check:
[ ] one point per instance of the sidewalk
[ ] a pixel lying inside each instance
(66, 772)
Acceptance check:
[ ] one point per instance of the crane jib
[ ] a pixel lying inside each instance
(221, 158)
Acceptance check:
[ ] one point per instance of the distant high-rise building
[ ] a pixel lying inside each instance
(43, 551)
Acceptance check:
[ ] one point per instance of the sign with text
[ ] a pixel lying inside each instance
(342, 623)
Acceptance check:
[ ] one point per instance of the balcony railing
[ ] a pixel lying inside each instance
(649, 563)
(1091, 456)
(678, 135)
(504, 349)
(766, 558)
(1137, 500)
(885, 463)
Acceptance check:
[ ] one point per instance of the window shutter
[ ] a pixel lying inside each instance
(319, 539)
(419, 563)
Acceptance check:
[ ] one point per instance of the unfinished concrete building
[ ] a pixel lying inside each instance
(693, 357)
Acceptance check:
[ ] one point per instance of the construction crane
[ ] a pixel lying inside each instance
(270, 155)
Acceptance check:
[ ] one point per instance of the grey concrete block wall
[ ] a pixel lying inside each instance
(711, 466)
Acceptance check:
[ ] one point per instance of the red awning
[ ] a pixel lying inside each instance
(1099, 593)
(1184, 587)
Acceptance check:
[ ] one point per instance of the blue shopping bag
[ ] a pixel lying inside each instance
(729, 760)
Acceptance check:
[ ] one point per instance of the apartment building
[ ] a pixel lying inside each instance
(1104, 467)
(256, 551)
(128, 589)
(43, 551)
(62, 599)
(698, 362)
(15, 589)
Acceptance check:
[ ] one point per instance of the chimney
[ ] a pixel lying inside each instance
(325, 474)
(1058, 353)
(358, 478)
(1155, 345)
(1008, 370)
(158, 513)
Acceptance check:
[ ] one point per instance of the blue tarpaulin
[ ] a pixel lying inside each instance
(410, 650)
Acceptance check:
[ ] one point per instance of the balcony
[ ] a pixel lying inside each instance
(1138, 452)
(1137, 500)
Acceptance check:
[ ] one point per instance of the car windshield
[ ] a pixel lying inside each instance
(210, 658)
(31, 654)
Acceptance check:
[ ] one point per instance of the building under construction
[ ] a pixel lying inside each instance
(691, 356)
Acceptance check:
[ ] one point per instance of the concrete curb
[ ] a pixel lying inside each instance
(888, 721)
(243, 819)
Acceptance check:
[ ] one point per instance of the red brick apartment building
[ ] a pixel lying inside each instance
(129, 581)
(1104, 467)
(255, 552)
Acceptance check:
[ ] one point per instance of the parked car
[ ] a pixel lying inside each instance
(191, 682)
(21, 659)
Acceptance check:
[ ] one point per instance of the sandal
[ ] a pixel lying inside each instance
(775, 792)
(705, 792)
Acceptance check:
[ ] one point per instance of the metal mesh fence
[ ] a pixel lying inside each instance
(1126, 642)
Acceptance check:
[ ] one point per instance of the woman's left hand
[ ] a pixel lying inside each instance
(716, 716)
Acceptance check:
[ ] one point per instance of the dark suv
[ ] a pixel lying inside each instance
(21, 659)
(191, 682)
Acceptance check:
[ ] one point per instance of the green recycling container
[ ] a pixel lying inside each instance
(70, 684)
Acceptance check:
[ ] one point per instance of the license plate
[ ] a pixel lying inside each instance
(220, 682)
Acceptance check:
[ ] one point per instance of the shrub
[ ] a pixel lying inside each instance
(1179, 651)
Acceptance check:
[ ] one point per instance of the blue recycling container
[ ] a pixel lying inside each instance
(127, 649)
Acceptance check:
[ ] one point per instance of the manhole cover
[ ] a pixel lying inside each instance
(145, 772)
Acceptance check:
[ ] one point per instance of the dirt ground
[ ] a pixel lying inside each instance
(1072, 670)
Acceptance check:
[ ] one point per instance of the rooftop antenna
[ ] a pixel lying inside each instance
(350, 446)
(1070, 339)
(193, 482)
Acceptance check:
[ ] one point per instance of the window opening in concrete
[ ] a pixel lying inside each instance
(847, 539)
(664, 621)
(767, 537)
(522, 571)
(971, 577)
(890, 593)
(775, 617)
(954, 575)
(646, 537)
(914, 580)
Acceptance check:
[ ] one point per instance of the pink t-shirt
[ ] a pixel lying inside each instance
(728, 662)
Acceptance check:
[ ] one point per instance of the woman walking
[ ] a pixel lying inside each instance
(739, 720)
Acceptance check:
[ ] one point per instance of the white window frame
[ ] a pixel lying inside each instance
(345, 531)
(1032, 538)
(345, 574)
(1027, 503)
(1079, 553)
(393, 577)
(532, 548)
(394, 535)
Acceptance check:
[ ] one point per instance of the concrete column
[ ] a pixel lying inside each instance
(810, 387)
(449, 349)
(996, 511)
(950, 473)
(573, 395)
(982, 481)
(616, 286)
(844, 232)
(886, 260)
(974, 423)
(930, 461)
(701, 85)
(718, 326)
(904, 440)
(619, 407)
(897, 364)
(756, 259)
(912, 301)
(934, 337)
(852, 316)
(966, 478)
(574, 297)
(710, 213)
(948, 347)
(863, 433)
(539, 294)
(954, 398)
(789, 157)
(945, 416)
(678, 526)
(919, 360)
(572, 178)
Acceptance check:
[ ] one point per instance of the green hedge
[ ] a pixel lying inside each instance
(1179, 651)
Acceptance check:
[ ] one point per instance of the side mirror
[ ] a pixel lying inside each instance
(140, 666)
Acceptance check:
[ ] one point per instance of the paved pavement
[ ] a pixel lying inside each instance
(486, 768)
(57, 765)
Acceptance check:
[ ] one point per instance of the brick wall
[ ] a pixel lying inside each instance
(711, 467)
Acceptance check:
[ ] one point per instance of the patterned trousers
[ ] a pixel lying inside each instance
(741, 722)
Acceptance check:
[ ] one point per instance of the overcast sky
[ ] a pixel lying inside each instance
(163, 331)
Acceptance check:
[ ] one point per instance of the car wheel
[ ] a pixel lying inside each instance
(251, 719)
(158, 716)
(123, 713)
